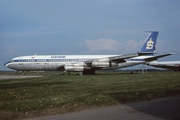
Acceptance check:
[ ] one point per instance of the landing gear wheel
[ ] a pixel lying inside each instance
(23, 73)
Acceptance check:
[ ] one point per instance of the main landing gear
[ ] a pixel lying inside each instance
(22, 73)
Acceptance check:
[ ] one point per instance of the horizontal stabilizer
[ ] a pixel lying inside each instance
(146, 53)
(156, 57)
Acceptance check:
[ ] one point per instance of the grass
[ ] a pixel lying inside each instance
(70, 93)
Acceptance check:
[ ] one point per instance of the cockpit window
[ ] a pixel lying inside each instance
(11, 61)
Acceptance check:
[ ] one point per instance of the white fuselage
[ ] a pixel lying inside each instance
(54, 62)
(49, 62)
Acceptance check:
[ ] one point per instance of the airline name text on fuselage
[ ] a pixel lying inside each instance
(58, 56)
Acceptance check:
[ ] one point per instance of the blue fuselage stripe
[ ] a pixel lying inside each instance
(48, 60)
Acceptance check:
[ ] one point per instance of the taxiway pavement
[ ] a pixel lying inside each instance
(159, 109)
(3, 77)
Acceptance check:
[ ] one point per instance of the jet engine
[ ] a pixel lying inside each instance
(74, 68)
(97, 64)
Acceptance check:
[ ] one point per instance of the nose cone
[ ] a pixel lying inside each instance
(6, 64)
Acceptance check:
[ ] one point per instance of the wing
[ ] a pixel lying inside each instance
(111, 61)
(96, 63)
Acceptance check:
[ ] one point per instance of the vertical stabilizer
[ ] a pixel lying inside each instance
(149, 45)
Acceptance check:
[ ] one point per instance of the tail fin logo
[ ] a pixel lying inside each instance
(149, 44)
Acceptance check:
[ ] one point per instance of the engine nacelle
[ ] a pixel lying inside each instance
(74, 68)
(103, 64)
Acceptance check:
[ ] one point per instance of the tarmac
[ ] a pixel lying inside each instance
(159, 109)
(3, 77)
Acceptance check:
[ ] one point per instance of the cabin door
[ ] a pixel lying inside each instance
(21, 65)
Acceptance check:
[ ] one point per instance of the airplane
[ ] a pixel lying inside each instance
(86, 64)
(172, 65)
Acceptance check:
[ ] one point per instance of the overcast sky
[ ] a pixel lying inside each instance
(29, 27)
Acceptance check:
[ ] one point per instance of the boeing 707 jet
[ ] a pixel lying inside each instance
(86, 64)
